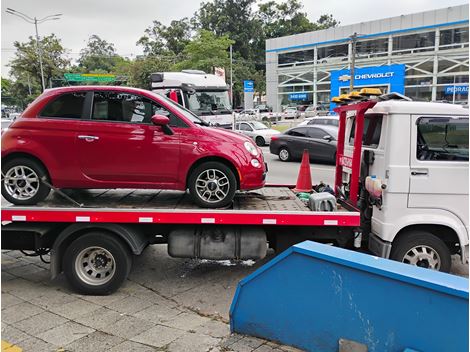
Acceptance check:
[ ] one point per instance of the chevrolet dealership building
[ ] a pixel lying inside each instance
(422, 55)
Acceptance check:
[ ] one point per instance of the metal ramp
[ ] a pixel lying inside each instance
(313, 295)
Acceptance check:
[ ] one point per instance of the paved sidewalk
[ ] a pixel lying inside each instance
(166, 305)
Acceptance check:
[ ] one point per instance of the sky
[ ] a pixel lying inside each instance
(123, 22)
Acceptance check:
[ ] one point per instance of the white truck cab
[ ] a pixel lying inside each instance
(206, 95)
(415, 170)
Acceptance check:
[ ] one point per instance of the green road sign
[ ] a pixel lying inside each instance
(88, 77)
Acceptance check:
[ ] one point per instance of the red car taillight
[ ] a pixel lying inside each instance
(273, 138)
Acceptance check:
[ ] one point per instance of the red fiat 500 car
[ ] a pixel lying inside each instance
(119, 137)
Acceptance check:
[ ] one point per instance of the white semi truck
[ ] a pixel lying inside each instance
(204, 94)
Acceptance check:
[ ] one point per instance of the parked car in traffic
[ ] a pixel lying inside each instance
(249, 114)
(120, 137)
(332, 120)
(263, 108)
(316, 110)
(325, 120)
(260, 133)
(319, 140)
(290, 112)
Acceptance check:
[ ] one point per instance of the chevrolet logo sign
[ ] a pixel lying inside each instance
(344, 78)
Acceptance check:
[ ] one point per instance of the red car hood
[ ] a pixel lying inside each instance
(224, 134)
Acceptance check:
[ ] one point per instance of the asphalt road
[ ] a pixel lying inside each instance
(280, 172)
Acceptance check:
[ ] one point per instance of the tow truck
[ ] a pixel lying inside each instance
(204, 94)
(92, 235)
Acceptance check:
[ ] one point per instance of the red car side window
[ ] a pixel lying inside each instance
(69, 105)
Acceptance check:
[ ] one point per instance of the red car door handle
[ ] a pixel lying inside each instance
(89, 138)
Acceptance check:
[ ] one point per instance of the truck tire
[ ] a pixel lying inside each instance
(97, 263)
(422, 249)
(21, 181)
(212, 185)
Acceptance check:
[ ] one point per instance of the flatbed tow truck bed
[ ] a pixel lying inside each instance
(271, 205)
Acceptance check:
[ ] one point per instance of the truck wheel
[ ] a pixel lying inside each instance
(422, 249)
(284, 154)
(21, 182)
(97, 263)
(212, 185)
(260, 141)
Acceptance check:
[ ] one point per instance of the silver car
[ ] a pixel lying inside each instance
(258, 131)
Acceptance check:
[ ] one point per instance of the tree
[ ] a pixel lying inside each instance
(25, 69)
(205, 52)
(233, 18)
(99, 56)
(17, 93)
(138, 71)
(166, 40)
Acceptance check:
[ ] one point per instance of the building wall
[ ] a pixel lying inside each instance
(432, 45)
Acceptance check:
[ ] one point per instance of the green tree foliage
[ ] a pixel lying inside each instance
(166, 40)
(233, 18)
(24, 66)
(99, 56)
(6, 86)
(286, 18)
(16, 93)
(138, 71)
(205, 52)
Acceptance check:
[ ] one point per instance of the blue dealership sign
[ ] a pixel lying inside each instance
(457, 89)
(297, 96)
(392, 76)
(248, 86)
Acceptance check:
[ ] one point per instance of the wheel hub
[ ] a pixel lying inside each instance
(95, 265)
(21, 182)
(424, 257)
(212, 185)
(100, 261)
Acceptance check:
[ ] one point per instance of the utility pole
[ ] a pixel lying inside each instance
(353, 60)
(231, 76)
(39, 50)
(35, 21)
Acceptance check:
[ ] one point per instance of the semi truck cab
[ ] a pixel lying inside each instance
(206, 95)
(413, 191)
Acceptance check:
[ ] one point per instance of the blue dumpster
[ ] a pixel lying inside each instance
(313, 295)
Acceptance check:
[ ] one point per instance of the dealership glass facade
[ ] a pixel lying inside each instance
(435, 61)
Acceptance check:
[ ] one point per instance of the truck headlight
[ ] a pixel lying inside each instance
(251, 148)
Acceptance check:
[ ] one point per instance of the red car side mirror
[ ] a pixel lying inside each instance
(160, 120)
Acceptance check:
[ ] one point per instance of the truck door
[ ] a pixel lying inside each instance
(439, 164)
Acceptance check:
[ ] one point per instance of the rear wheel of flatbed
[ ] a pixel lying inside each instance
(97, 263)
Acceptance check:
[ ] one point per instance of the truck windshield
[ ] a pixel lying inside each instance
(187, 113)
(209, 101)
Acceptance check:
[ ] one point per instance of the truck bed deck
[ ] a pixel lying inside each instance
(268, 206)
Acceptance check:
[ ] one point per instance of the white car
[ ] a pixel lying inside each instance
(260, 133)
(290, 112)
(249, 114)
(332, 120)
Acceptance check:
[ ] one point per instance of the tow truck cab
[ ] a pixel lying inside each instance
(413, 181)
(206, 95)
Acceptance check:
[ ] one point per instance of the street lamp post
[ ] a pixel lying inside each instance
(35, 21)
(353, 60)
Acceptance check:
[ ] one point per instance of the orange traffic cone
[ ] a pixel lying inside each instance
(304, 180)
